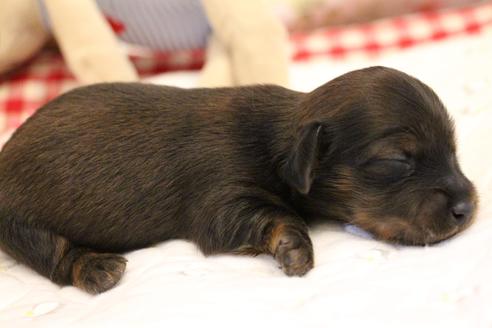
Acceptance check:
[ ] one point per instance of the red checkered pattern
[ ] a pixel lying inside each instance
(46, 76)
(392, 34)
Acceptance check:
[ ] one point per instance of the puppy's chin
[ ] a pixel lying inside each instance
(402, 232)
(424, 238)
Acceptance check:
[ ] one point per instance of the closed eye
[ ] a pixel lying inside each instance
(389, 168)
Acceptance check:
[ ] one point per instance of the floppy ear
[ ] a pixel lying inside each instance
(303, 158)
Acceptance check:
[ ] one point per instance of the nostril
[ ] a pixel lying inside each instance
(462, 212)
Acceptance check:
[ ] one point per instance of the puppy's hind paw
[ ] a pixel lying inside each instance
(96, 273)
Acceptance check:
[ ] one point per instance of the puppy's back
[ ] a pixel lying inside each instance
(133, 161)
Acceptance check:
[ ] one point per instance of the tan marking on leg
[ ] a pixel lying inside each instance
(275, 236)
(77, 266)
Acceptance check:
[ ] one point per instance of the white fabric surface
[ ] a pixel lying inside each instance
(357, 282)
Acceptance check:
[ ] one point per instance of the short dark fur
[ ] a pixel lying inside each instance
(109, 168)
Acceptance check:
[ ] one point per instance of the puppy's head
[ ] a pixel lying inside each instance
(376, 149)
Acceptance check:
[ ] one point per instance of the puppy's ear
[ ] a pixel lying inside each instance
(303, 158)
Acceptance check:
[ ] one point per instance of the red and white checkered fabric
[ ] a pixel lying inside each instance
(392, 34)
(46, 76)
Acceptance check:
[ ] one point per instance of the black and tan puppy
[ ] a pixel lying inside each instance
(114, 167)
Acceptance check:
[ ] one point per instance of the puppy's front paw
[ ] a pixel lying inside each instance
(294, 253)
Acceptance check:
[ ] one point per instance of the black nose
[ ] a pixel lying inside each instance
(462, 212)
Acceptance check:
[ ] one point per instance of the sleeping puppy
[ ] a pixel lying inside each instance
(109, 168)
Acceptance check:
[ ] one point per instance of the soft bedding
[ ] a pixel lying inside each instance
(356, 282)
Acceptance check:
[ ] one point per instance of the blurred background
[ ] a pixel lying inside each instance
(50, 46)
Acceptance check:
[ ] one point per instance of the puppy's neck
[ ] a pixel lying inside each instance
(268, 118)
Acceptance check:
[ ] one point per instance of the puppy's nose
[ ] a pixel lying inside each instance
(462, 212)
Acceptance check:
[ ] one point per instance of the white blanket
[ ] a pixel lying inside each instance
(356, 282)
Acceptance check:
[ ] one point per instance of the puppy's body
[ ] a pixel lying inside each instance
(127, 165)
(114, 167)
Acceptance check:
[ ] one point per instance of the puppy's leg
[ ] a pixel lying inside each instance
(57, 258)
(270, 230)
